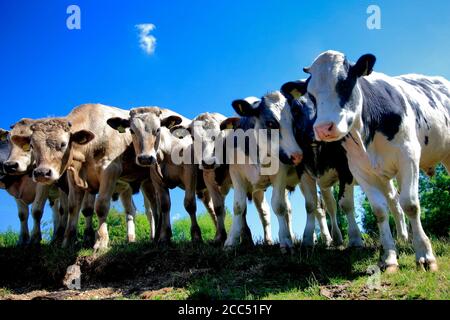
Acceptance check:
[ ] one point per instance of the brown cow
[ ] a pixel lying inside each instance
(158, 149)
(15, 178)
(95, 157)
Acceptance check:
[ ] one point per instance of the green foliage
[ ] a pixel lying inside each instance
(435, 203)
(182, 228)
(434, 194)
(8, 239)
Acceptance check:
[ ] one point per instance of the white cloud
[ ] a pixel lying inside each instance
(146, 40)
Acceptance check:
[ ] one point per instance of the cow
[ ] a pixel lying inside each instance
(390, 127)
(328, 164)
(15, 178)
(95, 158)
(205, 131)
(273, 112)
(155, 147)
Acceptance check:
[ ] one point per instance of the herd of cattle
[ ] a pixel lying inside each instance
(343, 125)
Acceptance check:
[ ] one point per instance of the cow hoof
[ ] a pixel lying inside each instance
(131, 238)
(424, 265)
(22, 243)
(268, 242)
(100, 246)
(357, 244)
(88, 240)
(391, 269)
(35, 241)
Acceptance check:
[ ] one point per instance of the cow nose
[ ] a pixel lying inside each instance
(42, 173)
(10, 166)
(297, 158)
(325, 131)
(146, 160)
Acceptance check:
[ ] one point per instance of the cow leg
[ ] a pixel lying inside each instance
(239, 208)
(23, 212)
(330, 204)
(313, 210)
(218, 201)
(281, 206)
(191, 207)
(397, 212)
(151, 206)
(346, 203)
(75, 198)
(264, 215)
(62, 211)
(108, 182)
(126, 197)
(377, 195)
(348, 206)
(37, 210)
(409, 200)
(165, 231)
(88, 213)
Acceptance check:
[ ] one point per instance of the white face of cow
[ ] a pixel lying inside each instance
(147, 129)
(333, 87)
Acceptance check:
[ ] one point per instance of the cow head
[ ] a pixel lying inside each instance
(302, 109)
(206, 134)
(333, 87)
(52, 144)
(272, 112)
(149, 131)
(20, 157)
(4, 149)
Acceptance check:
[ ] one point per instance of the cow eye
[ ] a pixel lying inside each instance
(63, 145)
(131, 131)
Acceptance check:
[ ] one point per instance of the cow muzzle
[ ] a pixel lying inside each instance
(44, 175)
(145, 160)
(296, 158)
(326, 131)
(10, 167)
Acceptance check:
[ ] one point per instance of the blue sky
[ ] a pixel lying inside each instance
(208, 53)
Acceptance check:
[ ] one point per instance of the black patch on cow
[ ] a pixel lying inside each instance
(344, 87)
(426, 140)
(421, 120)
(220, 173)
(425, 87)
(383, 109)
(318, 157)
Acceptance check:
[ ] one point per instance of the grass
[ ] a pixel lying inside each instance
(144, 270)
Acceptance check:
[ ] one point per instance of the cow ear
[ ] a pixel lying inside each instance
(119, 124)
(244, 108)
(229, 123)
(171, 121)
(294, 89)
(3, 134)
(22, 142)
(364, 65)
(82, 137)
(180, 131)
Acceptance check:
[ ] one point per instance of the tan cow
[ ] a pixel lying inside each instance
(158, 149)
(95, 157)
(15, 178)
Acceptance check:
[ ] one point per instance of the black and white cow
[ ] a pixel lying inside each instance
(273, 112)
(391, 127)
(328, 164)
